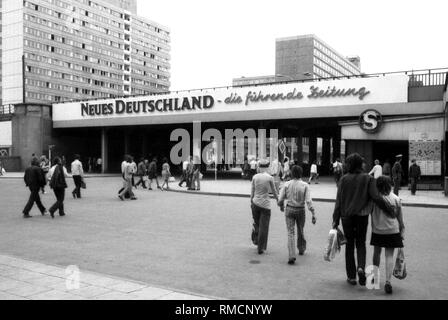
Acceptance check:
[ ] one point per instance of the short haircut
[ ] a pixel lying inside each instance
(384, 185)
(354, 163)
(77, 156)
(57, 160)
(296, 172)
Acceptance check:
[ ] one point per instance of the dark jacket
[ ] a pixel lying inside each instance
(152, 170)
(34, 177)
(414, 171)
(354, 192)
(397, 171)
(58, 178)
(141, 169)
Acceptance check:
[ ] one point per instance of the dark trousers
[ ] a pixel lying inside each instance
(183, 178)
(260, 230)
(397, 183)
(77, 191)
(59, 204)
(34, 197)
(355, 230)
(141, 181)
(413, 185)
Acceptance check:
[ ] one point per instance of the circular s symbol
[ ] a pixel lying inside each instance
(370, 121)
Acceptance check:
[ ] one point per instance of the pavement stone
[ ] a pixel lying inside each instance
(17, 284)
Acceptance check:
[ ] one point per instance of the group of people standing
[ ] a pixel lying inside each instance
(359, 196)
(191, 174)
(39, 173)
(395, 172)
(143, 173)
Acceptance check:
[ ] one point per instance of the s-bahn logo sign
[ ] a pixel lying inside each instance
(370, 121)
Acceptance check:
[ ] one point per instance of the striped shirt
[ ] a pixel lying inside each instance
(297, 193)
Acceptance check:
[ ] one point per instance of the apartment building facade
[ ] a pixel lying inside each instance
(306, 56)
(55, 51)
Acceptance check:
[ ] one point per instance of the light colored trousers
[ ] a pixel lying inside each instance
(295, 216)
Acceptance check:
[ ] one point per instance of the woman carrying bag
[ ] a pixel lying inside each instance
(58, 184)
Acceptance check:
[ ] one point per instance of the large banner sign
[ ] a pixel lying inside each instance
(426, 148)
(200, 104)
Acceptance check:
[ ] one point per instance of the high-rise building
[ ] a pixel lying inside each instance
(130, 5)
(59, 50)
(307, 56)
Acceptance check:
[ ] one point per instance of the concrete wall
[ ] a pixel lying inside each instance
(31, 131)
(5, 134)
(398, 130)
(432, 93)
(11, 164)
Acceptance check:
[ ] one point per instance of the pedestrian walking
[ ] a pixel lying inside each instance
(337, 170)
(286, 169)
(387, 168)
(414, 175)
(45, 166)
(34, 179)
(99, 165)
(190, 171)
(196, 175)
(253, 167)
(141, 173)
(313, 173)
(128, 171)
(296, 193)
(152, 173)
(78, 175)
(184, 177)
(377, 170)
(387, 232)
(262, 186)
(166, 174)
(275, 170)
(355, 190)
(397, 173)
(57, 175)
(1, 168)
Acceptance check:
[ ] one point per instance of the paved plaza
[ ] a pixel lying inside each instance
(170, 245)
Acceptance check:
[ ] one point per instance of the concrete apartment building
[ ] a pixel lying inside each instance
(305, 57)
(79, 49)
(62, 50)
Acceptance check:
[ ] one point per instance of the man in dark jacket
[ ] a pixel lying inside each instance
(414, 175)
(356, 190)
(152, 173)
(397, 173)
(34, 179)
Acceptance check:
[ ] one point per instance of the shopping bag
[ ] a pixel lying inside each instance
(171, 179)
(332, 245)
(3, 171)
(400, 266)
(83, 184)
(341, 239)
(200, 176)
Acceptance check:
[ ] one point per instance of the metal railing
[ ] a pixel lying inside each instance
(427, 79)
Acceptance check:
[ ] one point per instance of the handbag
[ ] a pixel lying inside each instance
(200, 176)
(171, 179)
(83, 184)
(400, 265)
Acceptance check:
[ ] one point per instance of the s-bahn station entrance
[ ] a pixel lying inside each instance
(377, 116)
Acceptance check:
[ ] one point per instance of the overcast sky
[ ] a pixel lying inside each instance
(213, 42)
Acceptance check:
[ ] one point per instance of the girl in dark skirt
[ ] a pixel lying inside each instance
(387, 232)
